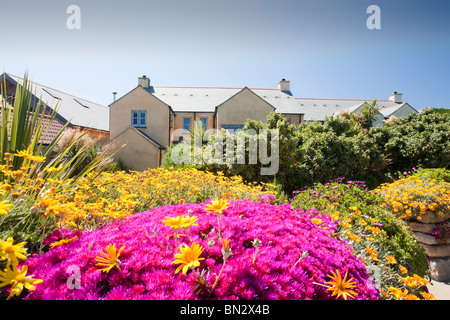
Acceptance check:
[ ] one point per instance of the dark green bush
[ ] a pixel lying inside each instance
(338, 148)
(289, 154)
(343, 147)
(417, 140)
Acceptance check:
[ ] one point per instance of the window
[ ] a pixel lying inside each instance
(171, 120)
(139, 118)
(204, 122)
(53, 95)
(81, 104)
(186, 124)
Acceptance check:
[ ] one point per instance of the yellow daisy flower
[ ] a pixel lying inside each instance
(18, 279)
(403, 270)
(5, 207)
(11, 251)
(188, 257)
(341, 287)
(217, 206)
(391, 259)
(109, 259)
(175, 223)
(188, 221)
(63, 241)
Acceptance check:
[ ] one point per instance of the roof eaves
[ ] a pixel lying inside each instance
(395, 106)
(352, 108)
(147, 137)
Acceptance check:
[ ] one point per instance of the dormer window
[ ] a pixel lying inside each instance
(139, 118)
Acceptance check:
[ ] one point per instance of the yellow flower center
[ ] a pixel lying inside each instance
(9, 249)
(340, 286)
(20, 278)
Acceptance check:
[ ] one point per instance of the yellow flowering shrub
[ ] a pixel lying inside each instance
(99, 198)
(415, 195)
(383, 242)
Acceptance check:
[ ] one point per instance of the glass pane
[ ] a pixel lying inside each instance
(204, 122)
(186, 123)
(143, 118)
(134, 118)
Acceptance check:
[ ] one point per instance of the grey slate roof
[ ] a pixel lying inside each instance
(386, 112)
(318, 109)
(193, 99)
(282, 101)
(77, 111)
(206, 99)
(160, 146)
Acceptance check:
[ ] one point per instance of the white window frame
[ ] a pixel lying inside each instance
(139, 118)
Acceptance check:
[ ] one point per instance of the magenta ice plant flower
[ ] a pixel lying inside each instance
(293, 258)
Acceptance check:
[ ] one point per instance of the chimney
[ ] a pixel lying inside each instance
(284, 85)
(396, 97)
(144, 82)
(114, 96)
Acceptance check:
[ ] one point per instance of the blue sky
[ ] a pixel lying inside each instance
(322, 46)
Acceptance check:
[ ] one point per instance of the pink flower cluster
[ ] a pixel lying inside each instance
(292, 260)
(266, 198)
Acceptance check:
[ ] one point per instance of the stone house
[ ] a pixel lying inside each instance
(148, 119)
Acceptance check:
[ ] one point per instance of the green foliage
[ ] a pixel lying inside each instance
(343, 147)
(27, 176)
(363, 223)
(440, 174)
(440, 110)
(369, 113)
(338, 148)
(213, 161)
(417, 140)
(22, 126)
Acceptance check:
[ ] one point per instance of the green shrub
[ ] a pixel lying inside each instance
(367, 226)
(338, 148)
(344, 147)
(417, 140)
(289, 154)
(30, 172)
(440, 174)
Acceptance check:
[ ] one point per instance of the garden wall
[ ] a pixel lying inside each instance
(432, 231)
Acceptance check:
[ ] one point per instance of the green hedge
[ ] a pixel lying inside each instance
(342, 147)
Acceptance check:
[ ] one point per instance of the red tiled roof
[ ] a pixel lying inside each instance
(53, 127)
(50, 129)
